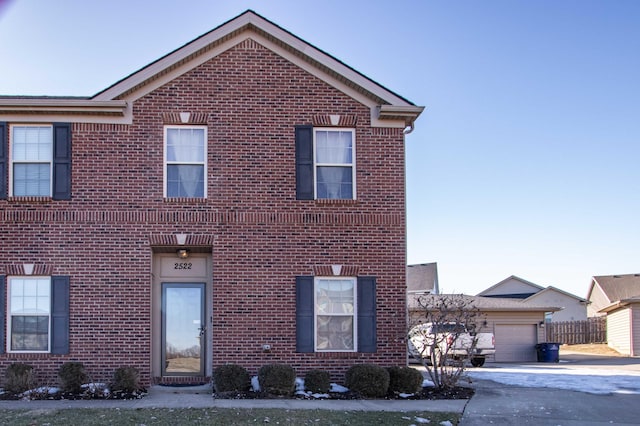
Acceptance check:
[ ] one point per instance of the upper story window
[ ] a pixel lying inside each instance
(335, 314)
(185, 150)
(31, 160)
(334, 163)
(29, 310)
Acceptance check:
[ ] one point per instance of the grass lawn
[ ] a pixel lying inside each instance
(224, 416)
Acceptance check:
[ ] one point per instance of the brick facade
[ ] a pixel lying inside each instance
(258, 235)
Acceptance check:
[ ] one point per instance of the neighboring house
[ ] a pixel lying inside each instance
(618, 297)
(227, 203)
(574, 308)
(422, 279)
(517, 326)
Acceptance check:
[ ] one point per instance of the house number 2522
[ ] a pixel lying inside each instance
(182, 265)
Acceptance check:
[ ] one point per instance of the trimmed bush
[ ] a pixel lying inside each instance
(19, 378)
(371, 381)
(126, 379)
(405, 380)
(72, 377)
(231, 378)
(277, 379)
(317, 381)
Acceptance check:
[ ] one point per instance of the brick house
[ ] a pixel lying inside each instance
(239, 200)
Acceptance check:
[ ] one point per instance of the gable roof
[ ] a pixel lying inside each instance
(534, 287)
(423, 278)
(617, 288)
(553, 289)
(113, 104)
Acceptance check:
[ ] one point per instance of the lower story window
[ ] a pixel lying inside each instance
(335, 319)
(30, 309)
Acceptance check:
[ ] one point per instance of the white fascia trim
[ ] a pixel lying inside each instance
(152, 77)
(329, 62)
(152, 84)
(245, 21)
(177, 56)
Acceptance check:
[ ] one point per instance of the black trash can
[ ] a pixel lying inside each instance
(548, 352)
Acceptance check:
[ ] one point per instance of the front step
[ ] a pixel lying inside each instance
(181, 381)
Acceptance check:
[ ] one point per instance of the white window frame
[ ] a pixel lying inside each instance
(10, 313)
(167, 163)
(354, 314)
(316, 164)
(12, 162)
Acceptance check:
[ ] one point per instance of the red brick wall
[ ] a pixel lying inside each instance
(263, 237)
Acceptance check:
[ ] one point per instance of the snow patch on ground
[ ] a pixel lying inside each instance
(299, 388)
(583, 380)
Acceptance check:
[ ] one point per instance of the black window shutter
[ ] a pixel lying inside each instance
(2, 313)
(61, 161)
(304, 163)
(60, 315)
(367, 340)
(304, 314)
(3, 161)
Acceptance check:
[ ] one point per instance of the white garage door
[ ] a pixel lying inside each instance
(515, 342)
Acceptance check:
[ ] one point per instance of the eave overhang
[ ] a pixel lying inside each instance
(408, 114)
(34, 109)
(620, 304)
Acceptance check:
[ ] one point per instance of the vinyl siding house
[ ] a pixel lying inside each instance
(574, 308)
(239, 200)
(618, 297)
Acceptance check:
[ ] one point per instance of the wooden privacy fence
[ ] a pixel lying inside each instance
(593, 330)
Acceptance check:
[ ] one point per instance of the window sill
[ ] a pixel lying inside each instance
(29, 199)
(184, 200)
(338, 355)
(333, 201)
(28, 355)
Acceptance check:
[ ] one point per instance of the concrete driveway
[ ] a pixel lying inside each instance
(504, 404)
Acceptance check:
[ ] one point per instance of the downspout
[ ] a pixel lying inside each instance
(632, 351)
(408, 129)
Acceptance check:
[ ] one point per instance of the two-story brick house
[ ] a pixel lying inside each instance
(241, 199)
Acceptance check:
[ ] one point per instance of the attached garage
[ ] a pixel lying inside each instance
(516, 342)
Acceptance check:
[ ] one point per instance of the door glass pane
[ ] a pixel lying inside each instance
(183, 329)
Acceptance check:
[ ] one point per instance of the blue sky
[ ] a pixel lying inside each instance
(525, 161)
